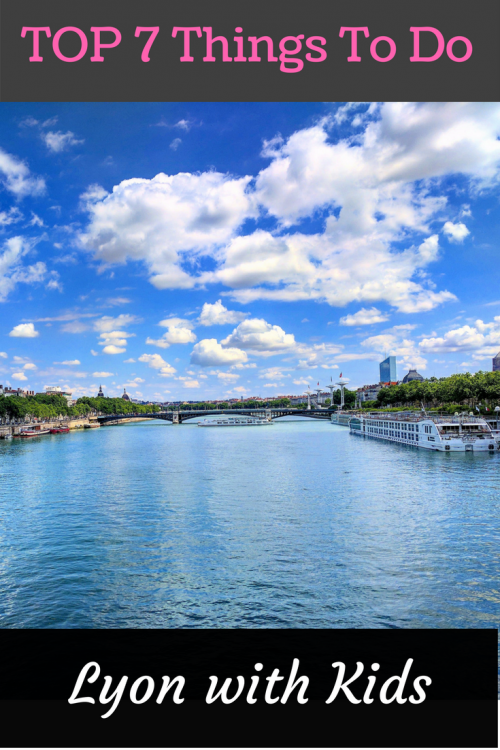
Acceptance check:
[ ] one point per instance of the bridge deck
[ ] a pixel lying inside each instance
(182, 416)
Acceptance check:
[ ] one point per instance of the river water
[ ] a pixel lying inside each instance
(299, 524)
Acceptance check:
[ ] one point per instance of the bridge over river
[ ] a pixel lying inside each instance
(177, 417)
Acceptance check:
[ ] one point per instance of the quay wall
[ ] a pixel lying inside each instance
(15, 429)
(124, 421)
(73, 424)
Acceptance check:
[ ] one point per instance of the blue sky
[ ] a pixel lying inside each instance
(220, 250)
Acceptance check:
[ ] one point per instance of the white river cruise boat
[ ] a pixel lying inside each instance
(341, 417)
(242, 421)
(459, 433)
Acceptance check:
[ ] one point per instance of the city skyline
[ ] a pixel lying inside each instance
(197, 251)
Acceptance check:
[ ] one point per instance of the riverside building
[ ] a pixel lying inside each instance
(388, 370)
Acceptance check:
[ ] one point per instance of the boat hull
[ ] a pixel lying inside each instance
(485, 446)
(33, 433)
(252, 424)
(226, 421)
(443, 434)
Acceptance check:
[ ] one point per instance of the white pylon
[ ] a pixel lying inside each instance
(331, 388)
(342, 382)
(318, 391)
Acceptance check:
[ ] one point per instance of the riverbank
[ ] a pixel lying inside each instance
(7, 431)
(124, 421)
(14, 429)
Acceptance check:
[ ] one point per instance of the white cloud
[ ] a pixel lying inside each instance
(59, 141)
(102, 374)
(69, 362)
(184, 125)
(191, 384)
(455, 232)
(217, 315)
(158, 221)
(113, 349)
(273, 373)
(31, 122)
(260, 337)
(179, 332)
(372, 188)
(129, 360)
(116, 301)
(175, 144)
(133, 383)
(24, 331)
(114, 341)
(407, 142)
(328, 267)
(364, 317)
(17, 178)
(12, 270)
(75, 326)
(394, 343)
(54, 282)
(19, 376)
(208, 353)
(378, 190)
(228, 377)
(35, 221)
(156, 362)
(4, 355)
(108, 323)
(11, 216)
(317, 355)
(93, 194)
(481, 338)
(30, 366)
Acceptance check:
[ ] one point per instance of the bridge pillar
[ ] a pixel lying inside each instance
(175, 417)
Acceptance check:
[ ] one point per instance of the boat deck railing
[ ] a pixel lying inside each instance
(437, 419)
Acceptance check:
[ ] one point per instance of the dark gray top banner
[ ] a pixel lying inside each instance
(264, 50)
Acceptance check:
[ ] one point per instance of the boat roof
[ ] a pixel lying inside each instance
(437, 419)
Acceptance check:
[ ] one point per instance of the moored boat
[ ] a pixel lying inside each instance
(439, 433)
(91, 425)
(57, 430)
(242, 421)
(342, 418)
(32, 433)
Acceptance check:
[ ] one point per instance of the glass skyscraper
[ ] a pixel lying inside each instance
(388, 373)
